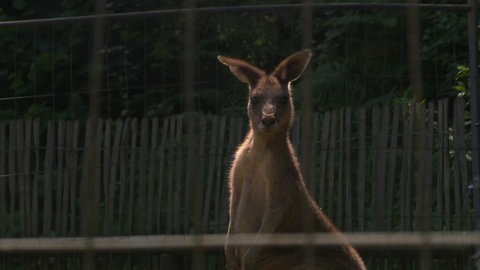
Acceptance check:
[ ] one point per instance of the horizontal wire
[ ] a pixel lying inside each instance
(382, 240)
(246, 8)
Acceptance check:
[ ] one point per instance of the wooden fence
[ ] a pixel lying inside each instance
(399, 168)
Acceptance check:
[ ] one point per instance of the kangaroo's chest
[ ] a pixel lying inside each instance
(253, 194)
(262, 182)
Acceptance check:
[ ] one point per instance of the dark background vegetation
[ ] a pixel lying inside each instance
(360, 57)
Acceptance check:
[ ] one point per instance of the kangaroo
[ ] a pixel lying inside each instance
(267, 191)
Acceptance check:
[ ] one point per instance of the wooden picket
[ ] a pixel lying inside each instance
(361, 165)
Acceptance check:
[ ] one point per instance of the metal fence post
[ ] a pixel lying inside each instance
(475, 111)
(91, 167)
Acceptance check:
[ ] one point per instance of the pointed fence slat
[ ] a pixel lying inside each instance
(444, 163)
(380, 122)
(211, 168)
(22, 171)
(123, 177)
(112, 182)
(235, 137)
(407, 169)
(142, 177)
(3, 181)
(429, 163)
(178, 222)
(151, 176)
(348, 171)
(199, 193)
(447, 176)
(306, 148)
(331, 165)
(376, 182)
(361, 170)
(73, 130)
(66, 181)
(392, 164)
(179, 177)
(323, 159)
(313, 152)
(96, 188)
(12, 173)
(460, 165)
(36, 178)
(160, 202)
(460, 138)
(339, 181)
(190, 191)
(48, 169)
(59, 173)
(170, 175)
(106, 154)
(131, 178)
(24, 168)
(419, 169)
(27, 161)
(220, 176)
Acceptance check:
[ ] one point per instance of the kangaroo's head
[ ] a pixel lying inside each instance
(270, 106)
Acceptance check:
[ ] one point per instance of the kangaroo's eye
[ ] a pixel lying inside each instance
(284, 99)
(254, 100)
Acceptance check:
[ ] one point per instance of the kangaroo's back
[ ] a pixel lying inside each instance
(267, 192)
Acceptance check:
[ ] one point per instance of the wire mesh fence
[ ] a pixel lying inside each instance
(144, 164)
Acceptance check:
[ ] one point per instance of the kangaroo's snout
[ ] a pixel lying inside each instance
(268, 120)
(268, 115)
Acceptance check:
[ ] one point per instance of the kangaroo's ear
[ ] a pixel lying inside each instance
(244, 71)
(292, 67)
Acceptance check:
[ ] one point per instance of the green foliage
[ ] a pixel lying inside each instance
(360, 58)
(461, 79)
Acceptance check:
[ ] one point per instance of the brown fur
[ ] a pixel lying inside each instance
(267, 192)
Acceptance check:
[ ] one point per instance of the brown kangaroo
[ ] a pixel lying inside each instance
(267, 191)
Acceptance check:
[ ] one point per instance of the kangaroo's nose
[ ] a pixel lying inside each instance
(268, 109)
(268, 114)
(268, 120)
